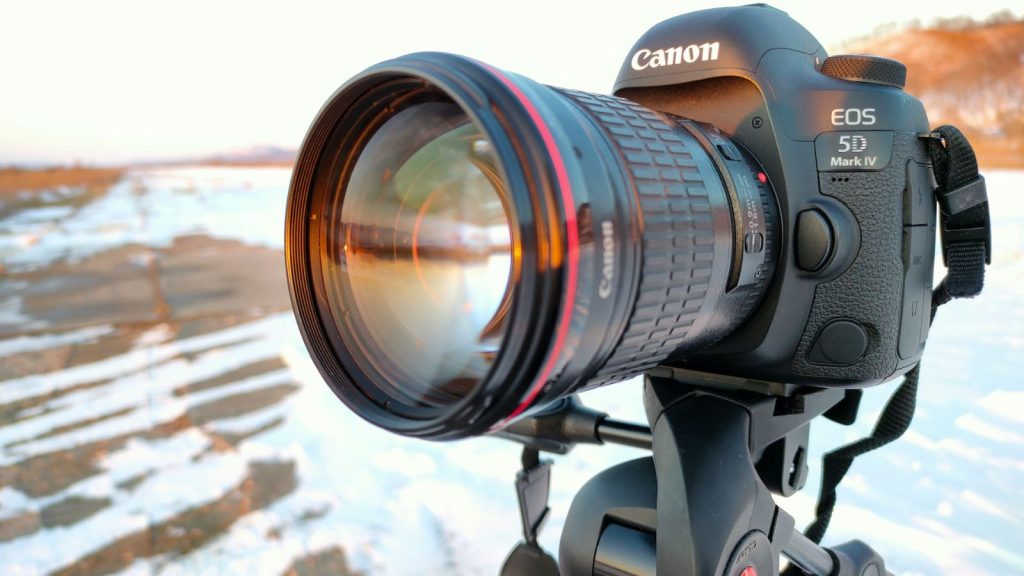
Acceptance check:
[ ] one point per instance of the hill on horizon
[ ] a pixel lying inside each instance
(254, 156)
(970, 74)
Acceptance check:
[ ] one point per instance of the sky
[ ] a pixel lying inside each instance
(109, 82)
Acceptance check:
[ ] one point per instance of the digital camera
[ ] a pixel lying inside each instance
(465, 245)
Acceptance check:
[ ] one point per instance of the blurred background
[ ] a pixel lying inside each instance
(158, 412)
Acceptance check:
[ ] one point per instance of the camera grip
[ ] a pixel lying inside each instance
(877, 301)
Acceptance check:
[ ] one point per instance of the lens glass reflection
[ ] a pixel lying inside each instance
(419, 256)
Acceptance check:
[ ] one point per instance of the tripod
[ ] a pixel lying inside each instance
(701, 504)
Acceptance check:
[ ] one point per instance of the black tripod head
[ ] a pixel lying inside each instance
(702, 502)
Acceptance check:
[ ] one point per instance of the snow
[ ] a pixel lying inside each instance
(248, 422)
(147, 393)
(176, 489)
(141, 357)
(979, 427)
(151, 208)
(944, 499)
(10, 313)
(1004, 404)
(22, 344)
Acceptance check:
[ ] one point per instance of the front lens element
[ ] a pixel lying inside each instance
(417, 256)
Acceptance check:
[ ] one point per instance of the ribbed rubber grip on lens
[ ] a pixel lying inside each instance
(677, 232)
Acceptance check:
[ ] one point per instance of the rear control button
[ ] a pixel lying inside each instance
(841, 343)
(814, 240)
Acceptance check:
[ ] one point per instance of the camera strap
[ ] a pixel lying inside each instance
(966, 249)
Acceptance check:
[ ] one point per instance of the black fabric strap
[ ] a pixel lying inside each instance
(966, 248)
(893, 422)
(530, 458)
(963, 200)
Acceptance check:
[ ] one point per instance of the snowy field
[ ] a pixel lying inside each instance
(186, 423)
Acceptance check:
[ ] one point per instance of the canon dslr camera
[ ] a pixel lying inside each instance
(465, 244)
(748, 222)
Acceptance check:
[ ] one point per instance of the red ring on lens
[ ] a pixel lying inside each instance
(572, 244)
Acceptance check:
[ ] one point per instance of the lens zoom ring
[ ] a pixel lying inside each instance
(676, 227)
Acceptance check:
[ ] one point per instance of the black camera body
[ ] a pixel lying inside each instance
(465, 245)
(467, 248)
(841, 143)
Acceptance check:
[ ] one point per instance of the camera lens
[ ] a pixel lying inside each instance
(464, 244)
(417, 257)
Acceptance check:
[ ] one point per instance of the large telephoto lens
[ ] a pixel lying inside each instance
(464, 244)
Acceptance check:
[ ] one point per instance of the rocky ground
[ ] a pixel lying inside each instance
(159, 413)
(101, 363)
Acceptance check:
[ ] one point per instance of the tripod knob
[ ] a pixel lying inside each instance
(753, 556)
(529, 560)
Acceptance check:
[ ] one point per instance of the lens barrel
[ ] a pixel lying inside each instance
(464, 244)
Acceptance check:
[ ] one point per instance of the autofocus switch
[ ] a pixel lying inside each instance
(871, 69)
(814, 240)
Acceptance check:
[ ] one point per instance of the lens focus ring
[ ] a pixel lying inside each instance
(678, 232)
